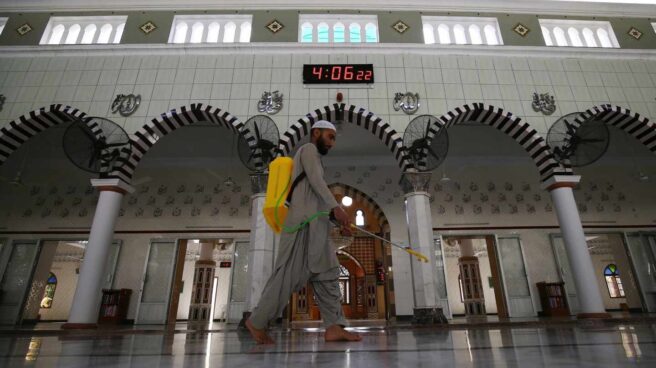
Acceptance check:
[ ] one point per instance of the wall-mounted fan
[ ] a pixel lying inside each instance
(580, 145)
(426, 149)
(96, 144)
(256, 157)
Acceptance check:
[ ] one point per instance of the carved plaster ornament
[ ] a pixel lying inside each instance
(408, 102)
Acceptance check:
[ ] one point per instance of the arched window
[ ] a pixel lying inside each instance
(338, 32)
(323, 32)
(429, 34)
(213, 32)
(344, 285)
(73, 32)
(180, 33)
(547, 36)
(306, 32)
(119, 33)
(370, 33)
(459, 34)
(355, 33)
(559, 35)
(229, 32)
(613, 281)
(491, 35)
(49, 292)
(443, 34)
(105, 33)
(57, 34)
(245, 32)
(359, 218)
(475, 35)
(89, 32)
(573, 34)
(604, 39)
(589, 37)
(197, 33)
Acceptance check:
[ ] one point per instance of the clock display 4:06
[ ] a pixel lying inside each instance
(338, 73)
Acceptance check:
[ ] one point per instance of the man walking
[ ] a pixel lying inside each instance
(307, 254)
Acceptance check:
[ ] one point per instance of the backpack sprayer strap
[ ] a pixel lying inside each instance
(298, 179)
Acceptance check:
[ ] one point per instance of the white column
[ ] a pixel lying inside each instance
(587, 288)
(262, 242)
(86, 302)
(420, 233)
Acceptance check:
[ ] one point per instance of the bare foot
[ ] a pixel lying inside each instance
(260, 336)
(338, 333)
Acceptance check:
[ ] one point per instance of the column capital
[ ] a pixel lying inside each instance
(560, 181)
(112, 185)
(414, 181)
(259, 182)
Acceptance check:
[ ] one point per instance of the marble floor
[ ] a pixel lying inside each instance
(617, 345)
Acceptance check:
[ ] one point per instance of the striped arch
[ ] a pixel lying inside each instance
(146, 137)
(354, 115)
(371, 205)
(513, 126)
(639, 127)
(19, 131)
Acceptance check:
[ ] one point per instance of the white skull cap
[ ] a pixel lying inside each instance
(324, 124)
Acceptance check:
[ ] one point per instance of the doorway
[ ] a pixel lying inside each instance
(613, 271)
(41, 277)
(487, 276)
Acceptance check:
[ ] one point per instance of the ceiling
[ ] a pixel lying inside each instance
(614, 7)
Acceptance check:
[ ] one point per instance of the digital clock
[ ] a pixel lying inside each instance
(338, 73)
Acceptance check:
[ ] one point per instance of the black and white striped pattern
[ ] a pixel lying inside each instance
(639, 127)
(27, 126)
(370, 204)
(146, 137)
(510, 125)
(354, 115)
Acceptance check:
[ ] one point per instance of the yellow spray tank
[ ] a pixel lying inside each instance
(280, 175)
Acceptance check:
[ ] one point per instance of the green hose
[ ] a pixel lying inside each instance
(298, 227)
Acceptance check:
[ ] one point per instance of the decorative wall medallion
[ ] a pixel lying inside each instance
(148, 27)
(270, 102)
(2, 101)
(151, 201)
(170, 200)
(526, 187)
(519, 197)
(491, 187)
(225, 200)
(635, 33)
(459, 210)
(502, 197)
(274, 26)
(513, 208)
(139, 212)
(189, 200)
(46, 212)
(126, 105)
(234, 211)
(408, 102)
(145, 189)
(158, 212)
(473, 187)
(181, 188)
(83, 212)
(217, 189)
(521, 29)
(77, 201)
(537, 197)
(544, 103)
(24, 29)
(478, 209)
(621, 197)
(207, 199)
(400, 27)
(162, 189)
(199, 188)
(484, 197)
(617, 208)
(195, 212)
(508, 186)
(441, 210)
(600, 207)
(215, 212)
(359, 181)
(177, 212)
(466, 198)
(64, 213)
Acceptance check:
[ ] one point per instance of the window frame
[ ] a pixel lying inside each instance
(117, 22)
(438, 24)
(580, 26)
(613, 278)
(210, 20)
(346, 20)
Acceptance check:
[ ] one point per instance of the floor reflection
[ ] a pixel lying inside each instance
(408, 347)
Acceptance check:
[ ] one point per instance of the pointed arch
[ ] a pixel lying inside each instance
(369, 202)
(161, 126)
(506, 122)
(354, 115)
(20, 130)
(637, 126)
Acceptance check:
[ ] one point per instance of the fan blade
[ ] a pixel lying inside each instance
(427, 129)
(257, 131)
(88, 132)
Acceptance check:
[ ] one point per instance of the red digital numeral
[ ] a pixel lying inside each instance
(367, 75)
(348, 73)
(360, 75)
(336, 73)
(317, 71)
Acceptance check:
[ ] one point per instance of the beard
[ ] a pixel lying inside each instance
(321, 146)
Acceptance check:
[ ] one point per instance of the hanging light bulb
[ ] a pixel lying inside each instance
(445, 178)
(643, 176)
